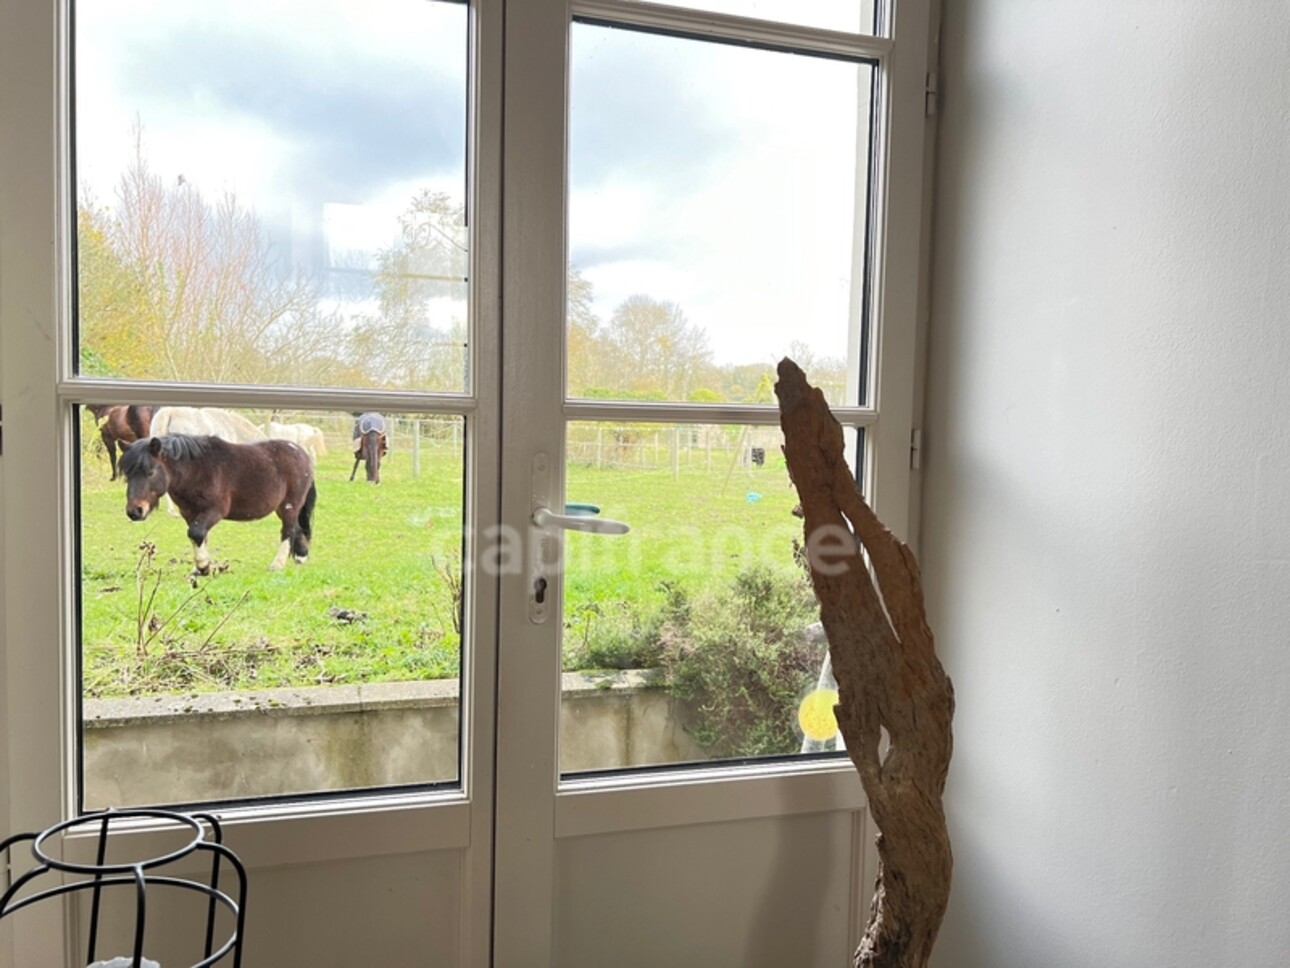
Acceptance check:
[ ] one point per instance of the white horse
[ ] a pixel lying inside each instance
(306, 435)
(206, 421)
(203, 422)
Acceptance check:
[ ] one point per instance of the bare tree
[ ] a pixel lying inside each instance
(417, 338)
(829, 373)
(208, 290)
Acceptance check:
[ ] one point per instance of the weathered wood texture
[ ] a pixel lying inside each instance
(889, 679)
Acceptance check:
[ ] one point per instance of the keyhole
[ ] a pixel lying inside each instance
(539, 591)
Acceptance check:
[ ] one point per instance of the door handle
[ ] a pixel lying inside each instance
(544, 546)
(547, 519)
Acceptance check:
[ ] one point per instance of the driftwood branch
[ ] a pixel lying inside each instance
(891, 686)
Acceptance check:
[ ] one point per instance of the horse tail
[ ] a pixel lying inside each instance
(306, 521)
(373, 455)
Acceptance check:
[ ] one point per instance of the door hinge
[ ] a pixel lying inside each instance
(916, 449)
(931, 94)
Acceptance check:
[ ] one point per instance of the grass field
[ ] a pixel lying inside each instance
(376, 600)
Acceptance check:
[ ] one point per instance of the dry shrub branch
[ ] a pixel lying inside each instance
(891, 686)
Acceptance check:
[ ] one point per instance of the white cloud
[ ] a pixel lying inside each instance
(716, 178)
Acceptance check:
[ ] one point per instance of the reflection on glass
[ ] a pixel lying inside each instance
(241, 680)
(718, 200)
(694, 637)
(855, 16)
(272, 193)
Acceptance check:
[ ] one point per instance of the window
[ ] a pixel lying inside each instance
(719, 220)
(287, 241)
(302, 223)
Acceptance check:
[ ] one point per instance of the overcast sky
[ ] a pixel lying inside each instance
(717, 178)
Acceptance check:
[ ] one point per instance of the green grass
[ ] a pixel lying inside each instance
(371, 604)
(374, 603)
(691, 531)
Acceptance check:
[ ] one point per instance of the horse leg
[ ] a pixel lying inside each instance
(297, 528)
(304, 530)
(357, 459)
(289, 515)
(198, 530)
(289, 532)
(109, 444)
(280, 559)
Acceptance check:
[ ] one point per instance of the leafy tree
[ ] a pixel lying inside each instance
(749, 383)
(584, 340)
(652, 349)
(115, 338)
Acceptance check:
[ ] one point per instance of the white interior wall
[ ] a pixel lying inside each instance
(1106, 531)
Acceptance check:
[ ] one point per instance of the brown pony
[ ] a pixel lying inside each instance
(120, 423)
(210, 479)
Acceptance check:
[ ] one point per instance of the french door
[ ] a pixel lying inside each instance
(676, 140)
(656, 203)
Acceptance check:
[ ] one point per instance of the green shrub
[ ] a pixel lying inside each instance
(618, 635)
(736, 654)
(740, 659)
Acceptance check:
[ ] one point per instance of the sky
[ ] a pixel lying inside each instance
(717, 178)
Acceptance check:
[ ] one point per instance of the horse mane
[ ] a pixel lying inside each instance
(184, 446)
(173, 447)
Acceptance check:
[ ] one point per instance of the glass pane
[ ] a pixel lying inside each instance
(695, 636)
(253, 680)
(718, 211)
(272, 192)
(854, 16)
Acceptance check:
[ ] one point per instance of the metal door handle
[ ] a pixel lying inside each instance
(544, 542)
(545, 518)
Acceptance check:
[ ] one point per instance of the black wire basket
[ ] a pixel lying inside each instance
(100, 876)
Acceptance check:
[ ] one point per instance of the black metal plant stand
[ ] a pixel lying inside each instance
(139, 874)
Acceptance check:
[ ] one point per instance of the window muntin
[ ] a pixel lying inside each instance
(270, 198)
(856, 16)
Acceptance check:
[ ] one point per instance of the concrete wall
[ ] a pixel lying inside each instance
(287, 741)
(1106, 533)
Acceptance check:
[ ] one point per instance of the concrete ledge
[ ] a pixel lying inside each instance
(311, 701)
(277, 742)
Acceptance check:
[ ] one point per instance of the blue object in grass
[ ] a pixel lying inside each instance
(753, 497)
(582, 510)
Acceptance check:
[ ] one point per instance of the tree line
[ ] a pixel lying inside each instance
(175, 286)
